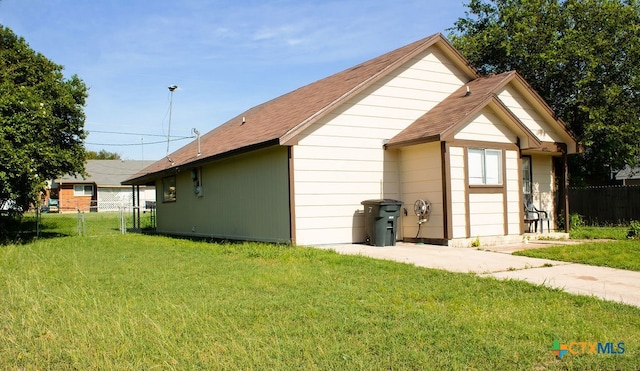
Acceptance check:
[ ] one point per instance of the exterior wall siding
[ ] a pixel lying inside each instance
(532, 120)
(488, 128)
(542, 165)
(245, 197)
(486, 214)
(514, 192)
(421, 178)
(340, 160)
(459, 190)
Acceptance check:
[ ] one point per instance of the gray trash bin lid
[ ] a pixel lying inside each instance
(382, 202)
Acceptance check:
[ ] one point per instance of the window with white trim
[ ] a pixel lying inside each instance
(485, 166)
(83, 189)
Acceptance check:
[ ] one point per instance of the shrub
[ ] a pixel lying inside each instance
(634, 230)
(576, 221)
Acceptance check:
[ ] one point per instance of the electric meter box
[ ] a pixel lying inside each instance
(381, 221)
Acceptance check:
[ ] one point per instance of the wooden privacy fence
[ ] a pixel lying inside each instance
(606, 204)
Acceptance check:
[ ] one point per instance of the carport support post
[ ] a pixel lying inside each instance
(133, 205)
(137, 207)
(565, 191)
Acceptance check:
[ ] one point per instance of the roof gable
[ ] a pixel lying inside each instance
(280, 120)
(441, 122)
(546, 112)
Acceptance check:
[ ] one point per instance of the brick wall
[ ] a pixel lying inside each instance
(68, 202)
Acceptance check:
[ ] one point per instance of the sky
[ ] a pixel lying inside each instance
(224, 56)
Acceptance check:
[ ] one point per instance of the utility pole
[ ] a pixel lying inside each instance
(171, 90)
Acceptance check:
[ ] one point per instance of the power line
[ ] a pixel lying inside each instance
(134, 144)
(123, 133)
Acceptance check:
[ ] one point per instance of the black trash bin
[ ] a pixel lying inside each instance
(381, 221)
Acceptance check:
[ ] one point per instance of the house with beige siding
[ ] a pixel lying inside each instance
(417, 123)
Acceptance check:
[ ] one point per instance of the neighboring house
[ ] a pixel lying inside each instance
(101, 190)
(415, 123)
(629, 175)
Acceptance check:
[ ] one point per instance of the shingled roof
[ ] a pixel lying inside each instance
(457, 109)
(107, 172)
(443, 120)
(278, 121)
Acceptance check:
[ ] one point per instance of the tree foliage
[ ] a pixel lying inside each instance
(582, 56)
(41, 121)
(103, 155)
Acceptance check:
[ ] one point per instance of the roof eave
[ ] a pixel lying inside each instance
(149, 178)
(532, 139)
(413, 142)
(573, 146)
(438, 39)
(74, 181)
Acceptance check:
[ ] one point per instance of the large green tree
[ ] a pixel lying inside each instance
(41, 121)
(582, 56)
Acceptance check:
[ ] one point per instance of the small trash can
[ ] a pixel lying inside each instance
(381, 221)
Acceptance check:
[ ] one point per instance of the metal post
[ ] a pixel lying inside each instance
(123, 221)
(82, 227)
(171, 89)
(133, 206)
(138, 208)
(38, 217)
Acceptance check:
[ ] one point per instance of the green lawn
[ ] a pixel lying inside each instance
(68, 224)
(623, 254)
(588, 232)
(141, 302)
(617, 252)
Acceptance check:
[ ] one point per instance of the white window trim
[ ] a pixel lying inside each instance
(485, 172)
(81, 189)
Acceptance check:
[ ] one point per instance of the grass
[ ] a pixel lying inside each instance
(624, 254)
(586, 232)
(618, 252)
(141, 302)
(59, 225)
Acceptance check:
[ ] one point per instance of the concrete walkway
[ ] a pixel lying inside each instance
(497, 261)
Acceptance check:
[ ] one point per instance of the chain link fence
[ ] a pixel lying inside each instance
(34, 225)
